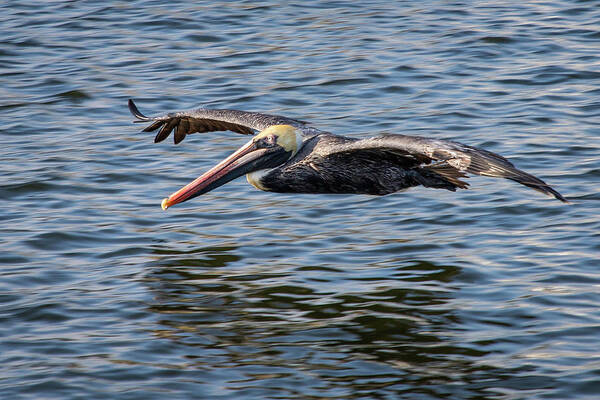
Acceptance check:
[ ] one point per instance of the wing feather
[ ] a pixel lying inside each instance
(452, 160)
(210, 120)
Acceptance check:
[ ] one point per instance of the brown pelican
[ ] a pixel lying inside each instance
(290, 156)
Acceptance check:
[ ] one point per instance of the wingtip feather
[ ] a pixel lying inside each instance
(136, 112)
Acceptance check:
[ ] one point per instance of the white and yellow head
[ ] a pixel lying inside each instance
(269, 149)
(285, 136)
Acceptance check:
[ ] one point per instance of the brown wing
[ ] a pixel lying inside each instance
(208, 120)
(452, 160)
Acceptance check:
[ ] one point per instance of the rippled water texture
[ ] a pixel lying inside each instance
(490, 293)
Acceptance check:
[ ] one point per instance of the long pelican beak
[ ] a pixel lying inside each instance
(245, 160)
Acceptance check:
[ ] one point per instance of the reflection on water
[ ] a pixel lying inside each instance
(252, 329)
(401, 332)
(204, 257)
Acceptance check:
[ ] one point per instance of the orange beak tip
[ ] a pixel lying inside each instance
(164, 204)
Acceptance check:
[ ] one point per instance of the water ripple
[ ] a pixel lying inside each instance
(489, 293)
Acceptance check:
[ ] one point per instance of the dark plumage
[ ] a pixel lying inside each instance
(325, 163)
(203, 120)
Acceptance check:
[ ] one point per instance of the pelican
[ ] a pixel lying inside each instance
(290, 156)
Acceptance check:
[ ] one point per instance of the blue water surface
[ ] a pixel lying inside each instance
(487, 293)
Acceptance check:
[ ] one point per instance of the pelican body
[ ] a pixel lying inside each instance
(291, 156)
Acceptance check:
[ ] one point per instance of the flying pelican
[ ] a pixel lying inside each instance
(290, 156)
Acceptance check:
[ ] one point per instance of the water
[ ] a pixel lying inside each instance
(490, 293)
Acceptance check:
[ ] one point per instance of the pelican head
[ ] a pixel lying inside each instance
(269, 149)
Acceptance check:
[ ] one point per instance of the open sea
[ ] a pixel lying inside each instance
(487, 293)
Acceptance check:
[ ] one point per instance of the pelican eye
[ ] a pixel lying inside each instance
(267, 141)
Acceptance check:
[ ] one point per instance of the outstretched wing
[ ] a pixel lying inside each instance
(451, 160)
(206, 120)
